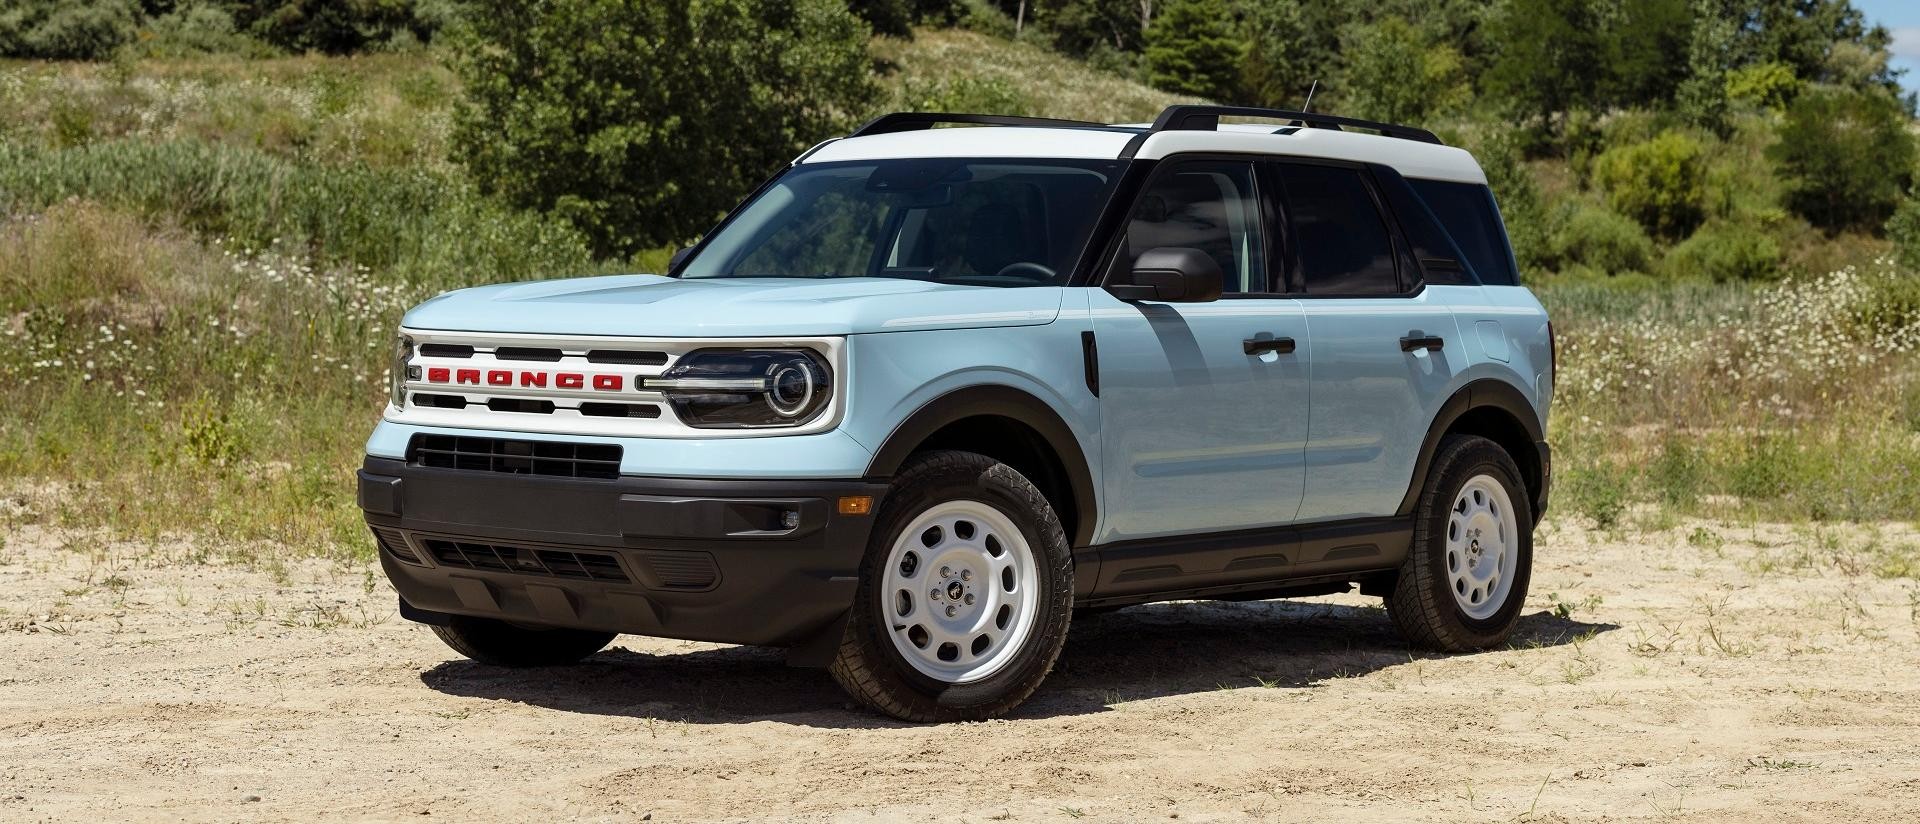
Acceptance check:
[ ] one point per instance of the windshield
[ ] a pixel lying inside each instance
(980, 222)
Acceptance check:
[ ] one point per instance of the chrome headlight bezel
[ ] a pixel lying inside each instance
(398, 371)
(747, 388)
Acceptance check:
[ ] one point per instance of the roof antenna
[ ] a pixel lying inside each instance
(1308, 107)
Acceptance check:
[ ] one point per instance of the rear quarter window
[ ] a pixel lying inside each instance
(1468, 213)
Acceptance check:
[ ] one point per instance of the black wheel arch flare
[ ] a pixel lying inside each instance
(1495, 409)
(1004, 402)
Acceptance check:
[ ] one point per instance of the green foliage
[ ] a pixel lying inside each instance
(197, 29)
(893, 18)
(964, 93)
(1602, 240)
(336, 26)
(1846, 156)
(1278, 68)
(600, 110)
(1726, 251)
(1770, 85)
(1904, 230)
(1192, 48)
(1393, 74)
(67, 29)
(1553, 56)
(1659, 182)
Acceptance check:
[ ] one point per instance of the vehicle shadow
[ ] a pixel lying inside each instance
(1142, 652)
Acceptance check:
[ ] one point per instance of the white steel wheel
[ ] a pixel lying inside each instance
(1482, 541)
(960, 591)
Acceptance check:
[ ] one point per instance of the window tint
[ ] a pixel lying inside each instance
(983, 223)
(1469, 215)
(1343, 242)
(1438, 260)
(1208, 206)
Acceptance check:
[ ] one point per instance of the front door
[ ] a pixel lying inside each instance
(1203, 405)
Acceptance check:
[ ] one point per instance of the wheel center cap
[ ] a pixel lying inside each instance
(954, 590)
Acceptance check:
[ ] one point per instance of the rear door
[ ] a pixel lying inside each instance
(1203, 405)
(1384, 347)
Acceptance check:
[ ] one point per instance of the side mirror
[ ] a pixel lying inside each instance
(1176, 274)
(673, 263)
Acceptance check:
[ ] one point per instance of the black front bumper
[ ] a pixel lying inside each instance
(731, 561)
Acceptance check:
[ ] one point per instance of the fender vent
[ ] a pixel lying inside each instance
(396, 545)
(548, 563)
(680, 570)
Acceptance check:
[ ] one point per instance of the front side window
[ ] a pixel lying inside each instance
(977, 222)
(1343, 243)
(1204, 205)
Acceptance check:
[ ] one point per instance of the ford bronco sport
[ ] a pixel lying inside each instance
(929, 390)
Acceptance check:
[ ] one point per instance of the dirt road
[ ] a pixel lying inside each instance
(1705, 673)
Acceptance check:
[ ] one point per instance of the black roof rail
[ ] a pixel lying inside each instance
(915, 121)
(1193, 118)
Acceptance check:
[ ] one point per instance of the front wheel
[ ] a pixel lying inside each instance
(965, 594)
(1465, 577)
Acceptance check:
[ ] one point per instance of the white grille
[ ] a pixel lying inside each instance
(515, 383)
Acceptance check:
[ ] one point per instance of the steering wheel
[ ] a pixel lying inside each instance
(1027, 268)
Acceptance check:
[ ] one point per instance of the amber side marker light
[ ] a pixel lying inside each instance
(856, 505)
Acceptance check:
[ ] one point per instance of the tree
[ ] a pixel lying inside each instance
(1393, 74)
(1191, 48)
(1846, 157)
(1547, 53)
(641, 122)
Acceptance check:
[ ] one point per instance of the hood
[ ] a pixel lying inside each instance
(655, 306)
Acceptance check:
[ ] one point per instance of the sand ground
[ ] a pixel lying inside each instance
(1706, 672)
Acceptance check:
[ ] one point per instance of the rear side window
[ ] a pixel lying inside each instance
(1342, 241)
(1469, 215)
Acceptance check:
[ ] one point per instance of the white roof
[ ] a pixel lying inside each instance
(1411, 158)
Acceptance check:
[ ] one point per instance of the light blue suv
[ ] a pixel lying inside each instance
(930, 390)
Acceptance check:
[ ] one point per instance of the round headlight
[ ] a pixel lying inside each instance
(746, 388)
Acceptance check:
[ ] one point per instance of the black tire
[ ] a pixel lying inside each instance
(1422, 607)
(868, 666)
(505, 645)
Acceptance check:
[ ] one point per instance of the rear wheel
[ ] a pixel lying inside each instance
(1465, 578)
(506, 645)
(964, 597)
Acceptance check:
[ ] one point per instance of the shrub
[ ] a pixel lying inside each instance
(642, 122)
(1659, 182)
(1726, 252)
(1602, 239)
(66, 29)
(963, 93)
(338, 26)
(1846, 157)
(1904, 230)
(197, 29)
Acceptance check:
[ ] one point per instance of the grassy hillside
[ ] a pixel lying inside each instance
(205, 260)
(958, 70)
